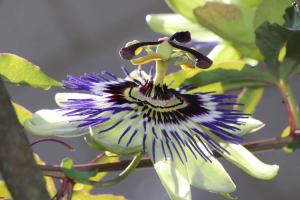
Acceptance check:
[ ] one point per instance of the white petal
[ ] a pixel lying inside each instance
(64, 97)
(52, 122)
(251, 125)
(172, 174)
(207, 175)
(245, 160)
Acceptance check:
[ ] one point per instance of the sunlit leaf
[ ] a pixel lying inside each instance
(168, 24)
(250, 97)
(226, 20)
(4, 193)
(185, 8)
(247, 3)
(21, 112)
(271, 11)
(50, 185)
(17, 70)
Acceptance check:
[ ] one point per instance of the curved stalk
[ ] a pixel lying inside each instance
(255, 146)
(291, 106)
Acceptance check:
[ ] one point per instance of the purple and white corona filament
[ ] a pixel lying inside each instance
(137, 111)
(178, 129)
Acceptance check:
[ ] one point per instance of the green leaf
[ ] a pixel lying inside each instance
(17, 70)
(232, 23)
(21, 112)
(224, 53)
(271, 11)
(222, 87)
(107, 158)
(82, 192)
(80, 176)
(270, 38)
(231, 71)
(50, 185)
(168, 24)
(292, 17)
(185, 8)
(247, 3)
(250, 97)
(226, 20)
(4, 193)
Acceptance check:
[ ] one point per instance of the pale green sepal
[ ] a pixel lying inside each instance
(251, 125)
(245, 160)
(52, 123)
(208, 175)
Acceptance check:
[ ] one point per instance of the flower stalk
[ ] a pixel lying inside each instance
(255, 146)
(291, 106)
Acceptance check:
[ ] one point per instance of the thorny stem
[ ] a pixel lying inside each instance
(256, 146)
(291, 106)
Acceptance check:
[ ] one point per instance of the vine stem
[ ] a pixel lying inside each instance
(17, 166)
(291, 107)
(255, 146)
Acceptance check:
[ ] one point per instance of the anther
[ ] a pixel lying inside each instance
(128, 53)
(182, 37)
(201, 60)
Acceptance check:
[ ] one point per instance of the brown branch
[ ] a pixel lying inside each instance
(256, 146)
(21, 175)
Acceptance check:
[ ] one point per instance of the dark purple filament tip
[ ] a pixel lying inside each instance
(182, 37)
(201, 60)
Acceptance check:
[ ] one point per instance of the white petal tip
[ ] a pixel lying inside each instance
(269, 173)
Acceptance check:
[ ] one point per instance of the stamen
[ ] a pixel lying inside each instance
(182, 37)
(201, 60)
(128, 53)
